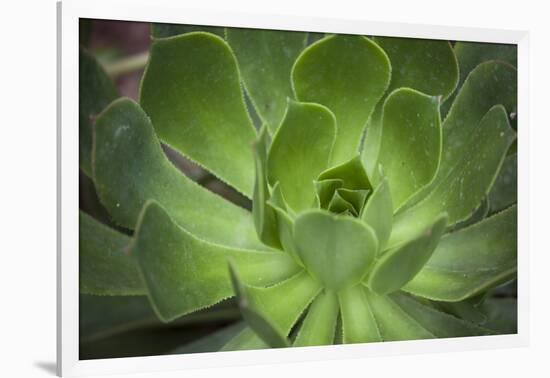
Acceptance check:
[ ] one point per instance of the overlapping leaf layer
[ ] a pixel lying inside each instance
(382, 183)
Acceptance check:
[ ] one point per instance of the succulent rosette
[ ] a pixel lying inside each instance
(380, 174)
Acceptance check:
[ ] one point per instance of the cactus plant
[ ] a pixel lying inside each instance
(380, 174)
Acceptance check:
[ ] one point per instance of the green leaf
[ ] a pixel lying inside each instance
(336, 250)
(358, 322)
(265, 218)
(378, 213)
(320, 322)
(504, 192)
(471, 260)
(502, 315)
(394, 323)
(301, 150)
(247, 339)
(213, 342)
(398, 266)
(324, 191)
(191, 90)
(184, 274)
(462, 183)
(356, 198)
(339, 205)
(95, 92)
(130, 168)
(352, 173)
(270, 334)
(349, 75)
(298, 291)
(161, 30)
(428, 66)
(410, 149)
(471, 54)
(265, 60)
(285, 223)
(436, 322)
(467, 309)
(104, 316)
(105, 265)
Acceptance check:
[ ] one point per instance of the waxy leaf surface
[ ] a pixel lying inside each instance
(184, 274)
(191, 90)
(131, 168)
(265, 60)
(349, 75)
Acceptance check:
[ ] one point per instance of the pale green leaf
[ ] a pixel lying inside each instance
(471, 260)
(399, 265)
(410, 149)
(191, 90)
(184, 274)
(130, 168)
(320, 322)
(378, 213)
(265, 218)
(358, 322)
(301, 150)
(463, 182)
(336, 250)
(265, 60)
(349, 75)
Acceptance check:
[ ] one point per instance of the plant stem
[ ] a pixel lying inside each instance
(128, 64)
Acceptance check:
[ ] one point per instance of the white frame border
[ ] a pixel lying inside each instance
(170, 11)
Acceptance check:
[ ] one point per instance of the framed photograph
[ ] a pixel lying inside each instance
(261, 188)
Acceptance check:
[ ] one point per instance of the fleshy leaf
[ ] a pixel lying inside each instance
(410, 149)
(213, 342)
(352, 173)
(255, 319)
(428, 66)
(247, 339)
(265, 60)
(471, 260)
(95, 92)
(105, 266)
(162, 30)
(502, 315)
(265, 218)
(436, 322)
(394, 323)
(298, 291)
(320, 322)
(184, 274)
(301, 150)
(467, 309)
(471, 54)
(339, 205)
(336, 250)
(356, 198)
(285, 222)
(324, 191)
(504, 192)
(349, 75)
(378, 213)
(358, 322)
(398, 266)
(461, 183)
(130, 168)
(191, 90)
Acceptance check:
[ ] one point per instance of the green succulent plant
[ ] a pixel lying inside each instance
(381, 174)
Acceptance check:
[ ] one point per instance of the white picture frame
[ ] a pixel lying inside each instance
(174, 12)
